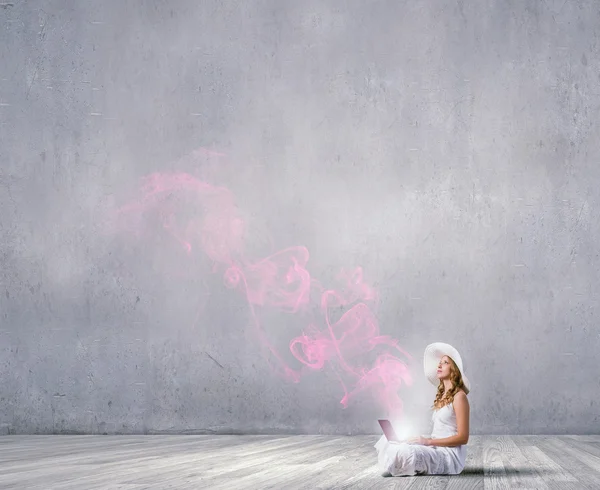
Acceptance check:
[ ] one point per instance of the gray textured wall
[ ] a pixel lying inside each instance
(449, 148)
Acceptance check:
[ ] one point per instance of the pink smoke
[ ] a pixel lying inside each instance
(203, 219)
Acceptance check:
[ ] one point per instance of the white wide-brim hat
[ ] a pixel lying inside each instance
(433, 353)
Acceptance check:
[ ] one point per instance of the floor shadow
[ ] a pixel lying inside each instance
(524, 470)
(478, 472)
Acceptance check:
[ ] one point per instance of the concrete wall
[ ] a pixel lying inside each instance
(450, 149)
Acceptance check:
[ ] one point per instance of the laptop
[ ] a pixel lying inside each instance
(389, 431)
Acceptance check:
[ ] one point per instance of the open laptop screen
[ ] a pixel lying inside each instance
(388, 430)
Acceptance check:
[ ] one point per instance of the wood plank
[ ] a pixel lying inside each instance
(261, 472)
(559, 452)
(257, 466)
(438, 482)
(592, 439)
(495, 476)
(371, 474)
(360, 457)
(185, 444)
(150, 460)
(519, 472)
(362, 472)
(554, 475)
(292, 461)
(583, 455)
(584, 444)
(169, 467)
(115, 447)
(542, 463)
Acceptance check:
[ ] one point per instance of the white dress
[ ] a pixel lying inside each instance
(403, 459)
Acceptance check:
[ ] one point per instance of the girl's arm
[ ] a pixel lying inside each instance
(446, 441)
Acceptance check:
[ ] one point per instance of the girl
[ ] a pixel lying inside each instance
(445, 452)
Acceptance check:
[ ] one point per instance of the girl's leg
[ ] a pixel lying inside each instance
(431, 460)
(398, 459)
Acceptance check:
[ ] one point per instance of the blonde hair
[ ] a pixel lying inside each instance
(442, 400)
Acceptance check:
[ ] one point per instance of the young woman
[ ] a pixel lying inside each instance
(444, 453)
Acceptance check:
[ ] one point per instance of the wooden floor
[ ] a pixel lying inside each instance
(282, 462)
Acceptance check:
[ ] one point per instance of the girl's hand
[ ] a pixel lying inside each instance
(423, 441)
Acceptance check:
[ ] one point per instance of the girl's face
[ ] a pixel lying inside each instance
(443, 370)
